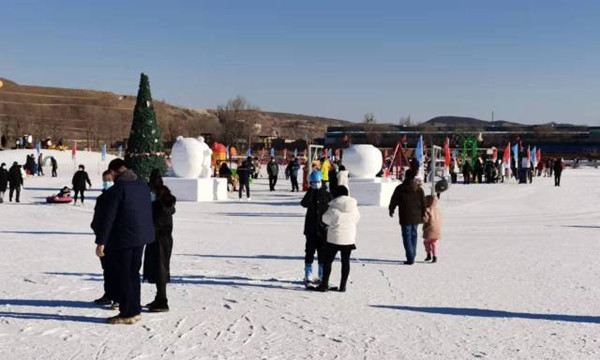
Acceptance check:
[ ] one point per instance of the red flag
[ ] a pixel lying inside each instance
(495, 155)
(506, 155)
(74, 151)
(528, 153)
(285, 153)
(447, 156)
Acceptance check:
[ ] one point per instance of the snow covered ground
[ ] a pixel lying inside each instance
(517, 278)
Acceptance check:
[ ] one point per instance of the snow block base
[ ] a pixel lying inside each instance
(197, 190)
(376, 191)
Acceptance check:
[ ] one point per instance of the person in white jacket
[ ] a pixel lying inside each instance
(342, 218)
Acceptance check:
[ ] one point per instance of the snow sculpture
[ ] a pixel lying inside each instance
(362, 161)
(190, 158)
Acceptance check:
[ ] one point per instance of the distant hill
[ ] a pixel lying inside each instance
(94, 117)
(461, 121)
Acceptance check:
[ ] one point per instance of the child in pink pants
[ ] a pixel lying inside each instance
(432, 228)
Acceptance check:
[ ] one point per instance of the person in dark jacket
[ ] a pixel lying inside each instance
(243, 172)
(291, 171)
(54, 166)
(466, 170)
(157, 257)
(225, 173)
(109, 296)
(558, 168)
(410, 199)
(79, 180)
(316, 201)
(3, 181)
(123, 225)
(40, 165)
(15, 181)
(333, 179)
(273, 172)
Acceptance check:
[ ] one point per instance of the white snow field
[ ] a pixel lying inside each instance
(517, 278)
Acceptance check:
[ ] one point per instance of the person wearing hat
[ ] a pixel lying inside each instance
(15, 181)
(316, 201)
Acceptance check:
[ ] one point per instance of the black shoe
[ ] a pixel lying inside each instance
(428, 257)
(158, 307)
(150, 304)
(342, 288)
(104, 300)
(409, 262)
(434, 259)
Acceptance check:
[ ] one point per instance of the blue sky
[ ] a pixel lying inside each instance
(528, 61)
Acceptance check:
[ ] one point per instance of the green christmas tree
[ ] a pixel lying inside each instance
(145, 151)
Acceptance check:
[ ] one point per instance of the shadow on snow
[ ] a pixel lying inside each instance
(486, 313)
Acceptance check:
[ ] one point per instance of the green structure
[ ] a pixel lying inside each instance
(470, 143)
(145, 150)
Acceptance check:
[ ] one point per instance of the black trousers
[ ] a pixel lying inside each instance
(272, 182)
(125, 266)
(109, 280)
(294, 180)
(557, 179)
(80, 191)
(329, 253)
(54, 174)
(454, 177)
(13, 189)
(40, 169)
(313, 244)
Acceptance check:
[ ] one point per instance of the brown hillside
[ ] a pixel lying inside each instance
(95, 117)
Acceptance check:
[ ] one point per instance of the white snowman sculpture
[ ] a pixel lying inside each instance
(190, 158)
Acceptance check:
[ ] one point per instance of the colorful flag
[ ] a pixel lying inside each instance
(103, 151)
(528, 152)
(533, 158)
(38, 147)
(295, 152)
(506, 155)
(249, 153)
(538, 155)
(447, 156)
(419, 150)
(515, 150)
(120, 150)
(495, 155)
(273, 152)
(74, 151)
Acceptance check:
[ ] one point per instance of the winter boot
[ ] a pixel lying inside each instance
(434, 259)
(428, 257)
(307, 273)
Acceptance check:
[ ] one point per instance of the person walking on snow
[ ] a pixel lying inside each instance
(79, 180)
(342, 218)
(558, 168)
(15, 181)
(273, 171)
(157, 257)
(432, 228)
(54, 166)
(123, 225)
(244, 174)
(40, 168)
(409, 198)
(316, 201)
(292, 171)
(3, 181)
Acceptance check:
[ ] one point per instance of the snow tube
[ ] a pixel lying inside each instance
(58, 200)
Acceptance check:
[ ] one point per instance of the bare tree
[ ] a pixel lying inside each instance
(237, 119)
(369, 118)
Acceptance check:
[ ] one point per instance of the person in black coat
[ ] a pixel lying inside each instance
(3, 181)
(79, 180)
(466, 170)
(273, 172)
(109, 296)
(15, 181)
(244, 173)
(123, 226)
(291, 171)
(316, 201)
(40, 165)
(54, 166)
(558, 168)
(157, 257)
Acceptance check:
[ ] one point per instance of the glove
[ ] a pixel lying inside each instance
(391, 213)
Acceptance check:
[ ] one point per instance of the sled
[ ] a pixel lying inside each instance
(59, 200)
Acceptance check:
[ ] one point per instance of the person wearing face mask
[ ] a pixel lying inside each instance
(157, 256)
(316, 201)
(109, 297)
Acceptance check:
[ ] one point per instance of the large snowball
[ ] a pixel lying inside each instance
(190, 158)
(362, 161)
